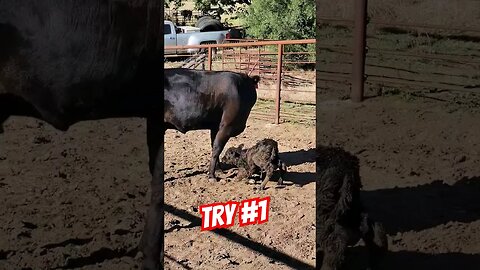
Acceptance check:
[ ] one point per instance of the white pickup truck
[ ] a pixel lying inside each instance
(180, 36)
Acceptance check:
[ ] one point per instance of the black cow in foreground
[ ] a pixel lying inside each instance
(220, 101)
(69, 61)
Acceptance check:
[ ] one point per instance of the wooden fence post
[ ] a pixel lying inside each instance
(279, 83)
(358, 63)
(209, 58)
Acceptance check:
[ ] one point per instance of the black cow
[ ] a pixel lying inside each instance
(220, 101)
(69, 61)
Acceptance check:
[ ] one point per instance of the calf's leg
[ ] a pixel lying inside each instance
(152, 242)
(375, 238)
(268, 175)
(242, 174)
(283, 169)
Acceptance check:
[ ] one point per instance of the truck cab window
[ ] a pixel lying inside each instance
(166, 29)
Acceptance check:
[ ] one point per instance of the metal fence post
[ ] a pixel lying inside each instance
(358, 62)
(209, 58)
(279, 83)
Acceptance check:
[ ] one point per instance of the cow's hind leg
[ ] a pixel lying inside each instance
(221, 139)
(152, 242)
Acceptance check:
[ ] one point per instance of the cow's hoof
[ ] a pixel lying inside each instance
(212, 179)
(258, 190)
(222, 181)
(251, 181)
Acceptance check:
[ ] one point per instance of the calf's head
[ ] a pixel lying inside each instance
(232, 155)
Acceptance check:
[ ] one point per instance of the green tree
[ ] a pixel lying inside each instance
(281, 19)
(174, 3)
(218, 8)
(215, 8)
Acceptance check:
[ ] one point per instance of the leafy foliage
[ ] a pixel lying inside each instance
(215, 8)
(281, 19)
(174, 3)
(221, 7)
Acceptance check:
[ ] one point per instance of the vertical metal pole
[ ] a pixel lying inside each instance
(259, 60)
(249, 59)
(209, 58)
(358, 63)
(240, 60)
(223, 58)
(279, 83)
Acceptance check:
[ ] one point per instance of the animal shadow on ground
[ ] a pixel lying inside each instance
(299, 178)
(244, 241)
(298, 157)
(401, 260)
(190, 173)
(425, 206)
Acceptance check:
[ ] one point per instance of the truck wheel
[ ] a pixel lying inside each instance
(202, 19)
(208, 24)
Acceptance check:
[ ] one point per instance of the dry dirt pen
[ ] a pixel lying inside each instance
(77, 200)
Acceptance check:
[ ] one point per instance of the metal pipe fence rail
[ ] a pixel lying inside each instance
(280, 67)
(419, 64)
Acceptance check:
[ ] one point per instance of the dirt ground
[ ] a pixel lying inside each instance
(420, 160)
(78, 200)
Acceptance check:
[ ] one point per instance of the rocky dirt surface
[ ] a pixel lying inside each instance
(420, 160)
(77, 200)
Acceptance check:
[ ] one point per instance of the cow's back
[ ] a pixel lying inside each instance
(71, 59)
(196, 99)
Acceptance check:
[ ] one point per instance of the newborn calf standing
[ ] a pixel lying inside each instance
(262, 157)
(341, 219)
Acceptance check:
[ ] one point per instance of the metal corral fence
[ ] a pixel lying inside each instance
(282, 65)
(392, 55)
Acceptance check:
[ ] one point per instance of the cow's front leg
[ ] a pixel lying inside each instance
(152, 242)
(219, 143)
